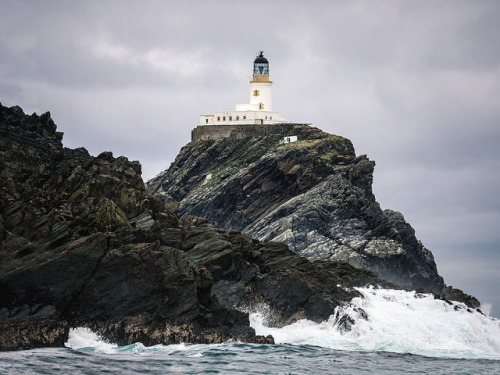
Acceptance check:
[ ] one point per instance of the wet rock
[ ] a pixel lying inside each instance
(83, 244)
(314, 195)
(458, 295)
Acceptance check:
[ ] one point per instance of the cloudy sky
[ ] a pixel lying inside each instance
(414, 84)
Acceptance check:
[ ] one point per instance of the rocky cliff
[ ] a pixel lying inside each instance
(83, 244)
(314, 195)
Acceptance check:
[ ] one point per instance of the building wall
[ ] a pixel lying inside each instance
(241, 117)
(290, 139)
(263, 99)
(208, 132)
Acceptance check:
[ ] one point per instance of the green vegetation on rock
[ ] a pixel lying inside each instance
(109, 216)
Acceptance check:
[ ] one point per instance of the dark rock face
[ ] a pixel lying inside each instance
(83, 244)
(314, 195)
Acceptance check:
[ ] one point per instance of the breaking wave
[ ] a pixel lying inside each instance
(396, 321)
(383, 321)
(85, 340)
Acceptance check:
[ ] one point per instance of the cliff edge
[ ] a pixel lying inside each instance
(315, 195)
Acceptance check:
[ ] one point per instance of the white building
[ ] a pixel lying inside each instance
(260, 109)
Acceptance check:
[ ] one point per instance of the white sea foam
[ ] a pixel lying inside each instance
(83, 339)
(384, 320)
(397, 321)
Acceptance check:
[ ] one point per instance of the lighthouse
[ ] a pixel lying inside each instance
(261, 84)
(260, 109)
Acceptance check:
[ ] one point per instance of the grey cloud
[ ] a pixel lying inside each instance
(414, 85)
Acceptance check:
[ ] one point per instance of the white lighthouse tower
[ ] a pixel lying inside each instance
(260, 108)
(261, 84)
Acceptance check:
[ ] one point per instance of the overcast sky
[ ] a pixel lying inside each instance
(415, 85)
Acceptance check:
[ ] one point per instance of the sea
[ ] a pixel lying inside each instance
(394, 332)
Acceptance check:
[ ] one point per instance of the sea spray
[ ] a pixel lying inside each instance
(396, 321)
(85, 340)
(383, 320)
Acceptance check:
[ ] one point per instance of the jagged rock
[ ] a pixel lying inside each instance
(458, 295)
(314, 195)
(83, 244)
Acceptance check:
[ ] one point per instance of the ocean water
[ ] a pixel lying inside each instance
(400, 332)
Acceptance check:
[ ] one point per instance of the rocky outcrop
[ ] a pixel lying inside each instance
(314, 195)
(83, 244)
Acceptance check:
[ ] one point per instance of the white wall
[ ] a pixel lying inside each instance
(264, 95)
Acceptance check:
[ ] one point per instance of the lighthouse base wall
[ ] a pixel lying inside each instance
(214, 132)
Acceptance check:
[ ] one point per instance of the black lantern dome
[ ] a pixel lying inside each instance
(261, 65)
